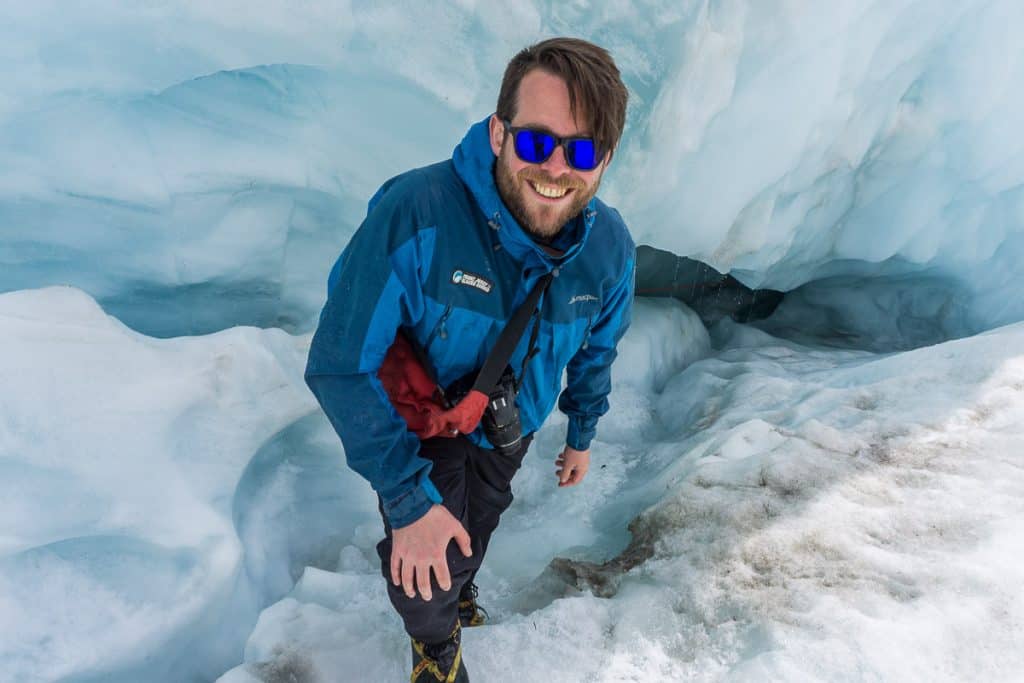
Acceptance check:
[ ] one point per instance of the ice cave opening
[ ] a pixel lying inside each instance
(891, 307)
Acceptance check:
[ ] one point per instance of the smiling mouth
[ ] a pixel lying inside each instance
(549, 191)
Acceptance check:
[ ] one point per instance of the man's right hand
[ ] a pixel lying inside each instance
(421, 546)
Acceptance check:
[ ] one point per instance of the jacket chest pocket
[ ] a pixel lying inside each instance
(440, 330)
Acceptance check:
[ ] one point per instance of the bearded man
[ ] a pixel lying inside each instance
(445, 257)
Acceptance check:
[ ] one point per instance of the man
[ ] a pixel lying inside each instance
(446, 255)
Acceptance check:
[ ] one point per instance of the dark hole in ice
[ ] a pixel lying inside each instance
(882, 308)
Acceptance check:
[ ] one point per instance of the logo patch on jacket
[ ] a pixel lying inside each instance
(582, 297)
(461, 277)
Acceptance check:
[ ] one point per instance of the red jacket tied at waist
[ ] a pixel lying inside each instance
(416, 398)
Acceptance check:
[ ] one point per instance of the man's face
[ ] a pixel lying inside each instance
(543, 103)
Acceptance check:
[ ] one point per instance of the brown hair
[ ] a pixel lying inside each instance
(593, 79)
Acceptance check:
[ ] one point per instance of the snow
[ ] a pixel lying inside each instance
(121, 455)
(832, 494)
(803, 515)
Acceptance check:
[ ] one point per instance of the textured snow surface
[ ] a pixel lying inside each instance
(120, 456)
(789, 502)
(806, 515)
(796, 513)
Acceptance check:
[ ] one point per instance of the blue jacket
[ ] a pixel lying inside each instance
(440, 256)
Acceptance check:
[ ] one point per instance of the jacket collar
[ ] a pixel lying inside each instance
(474, 163)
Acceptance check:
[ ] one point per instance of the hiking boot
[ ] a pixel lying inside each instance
(439, 662)
(470, 613)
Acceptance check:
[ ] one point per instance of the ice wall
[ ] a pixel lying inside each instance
(149, 156)
(197, 166)
(126, 476)
(224, 199)
(801, 140)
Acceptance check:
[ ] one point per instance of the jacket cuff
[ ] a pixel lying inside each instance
(580, 433)
(413, 504)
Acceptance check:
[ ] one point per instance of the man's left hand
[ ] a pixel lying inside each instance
(572, 466)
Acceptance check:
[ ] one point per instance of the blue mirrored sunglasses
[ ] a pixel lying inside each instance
(536, 146)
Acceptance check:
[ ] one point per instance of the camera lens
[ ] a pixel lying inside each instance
(501, 419)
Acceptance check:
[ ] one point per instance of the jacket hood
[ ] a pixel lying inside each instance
(474, 163)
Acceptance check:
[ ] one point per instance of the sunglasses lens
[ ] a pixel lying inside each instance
(533, 146)
(582, 154)
(536, 146)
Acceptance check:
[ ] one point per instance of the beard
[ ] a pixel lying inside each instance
(540, 220)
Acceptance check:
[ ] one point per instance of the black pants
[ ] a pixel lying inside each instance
(475, 485)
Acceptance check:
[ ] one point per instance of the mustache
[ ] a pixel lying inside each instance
(537, 176)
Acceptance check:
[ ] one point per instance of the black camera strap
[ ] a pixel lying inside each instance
(500, 355)
(509, 338)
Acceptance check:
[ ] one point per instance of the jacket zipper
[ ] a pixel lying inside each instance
(586, 335)
(439, 328)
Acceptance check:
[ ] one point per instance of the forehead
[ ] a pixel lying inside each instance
(543, 101)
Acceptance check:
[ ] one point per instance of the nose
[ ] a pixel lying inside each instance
(556, 164)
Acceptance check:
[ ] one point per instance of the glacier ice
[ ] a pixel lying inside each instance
(783, 141)
(217, 202)
(119, 549)
(796, 486)
(796, 141)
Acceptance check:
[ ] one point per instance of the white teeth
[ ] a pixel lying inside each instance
(549, 191)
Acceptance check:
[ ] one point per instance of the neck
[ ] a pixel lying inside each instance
(546, 243)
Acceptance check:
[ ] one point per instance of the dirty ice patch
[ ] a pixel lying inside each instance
(830, 515)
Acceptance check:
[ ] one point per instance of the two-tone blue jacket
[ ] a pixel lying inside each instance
(440, 256)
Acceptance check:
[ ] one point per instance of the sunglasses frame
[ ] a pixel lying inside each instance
(559, 142)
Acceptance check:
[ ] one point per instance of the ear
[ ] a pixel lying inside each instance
(497, 130)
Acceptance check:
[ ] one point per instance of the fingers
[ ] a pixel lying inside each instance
(413, 574)
(408, 571)
(443, 575)
(416, 577)
(420, 548)
(570, 472)
(562, 472)
(423, 581)
(396, 562)
(575, 477)
(461, 537)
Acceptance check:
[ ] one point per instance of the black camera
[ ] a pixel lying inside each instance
(501, 419)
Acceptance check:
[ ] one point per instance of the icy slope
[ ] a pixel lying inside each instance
(798, 513)
(807, 515)
(119, 461)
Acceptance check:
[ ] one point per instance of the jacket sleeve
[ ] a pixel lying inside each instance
(588, 373)
(374, 288)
